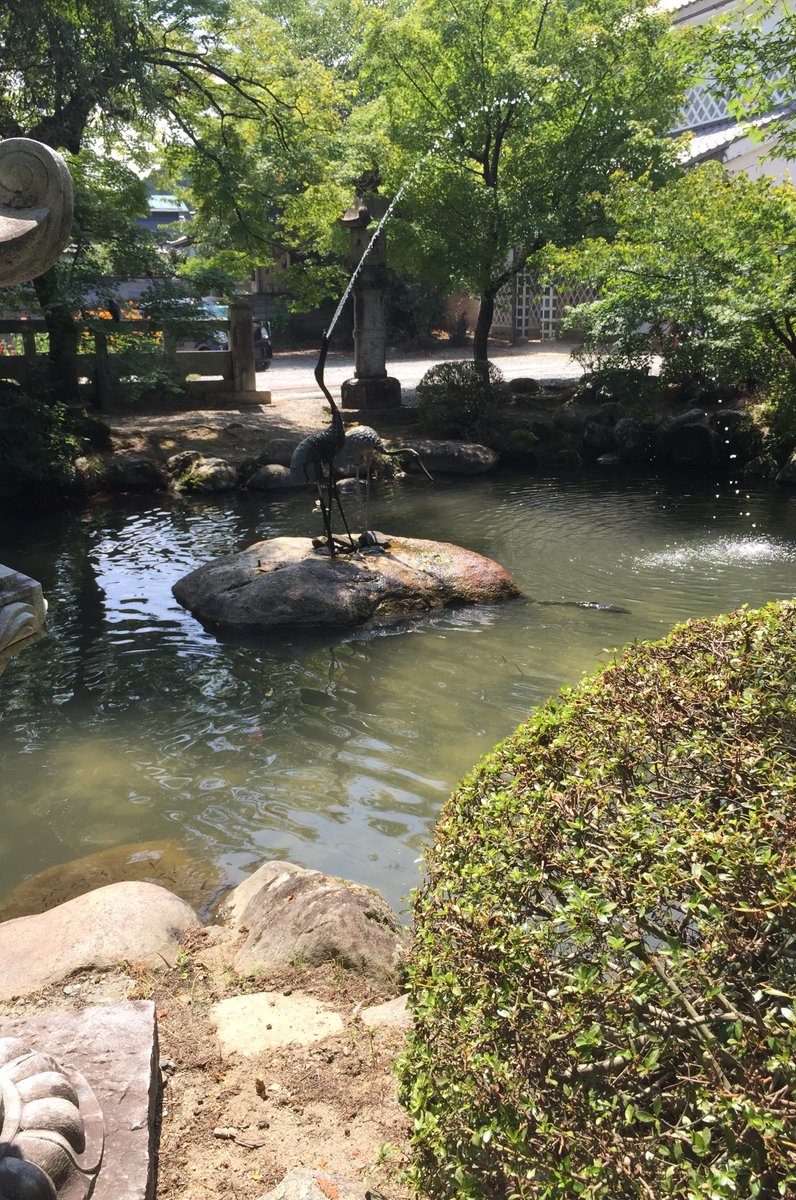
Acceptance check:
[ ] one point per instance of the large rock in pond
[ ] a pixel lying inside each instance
(287, 582)
(448, 457)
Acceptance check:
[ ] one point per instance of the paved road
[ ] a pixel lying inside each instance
(291, 373)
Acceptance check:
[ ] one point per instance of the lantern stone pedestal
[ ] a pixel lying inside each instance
(36, 205)
(371, 386)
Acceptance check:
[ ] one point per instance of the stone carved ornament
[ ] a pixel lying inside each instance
(17, 621)
(52, 1133)
(36, 203)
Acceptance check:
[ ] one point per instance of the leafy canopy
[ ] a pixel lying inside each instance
(702, 271)
(524, 109)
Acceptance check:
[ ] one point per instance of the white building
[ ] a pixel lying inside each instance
(717, 135)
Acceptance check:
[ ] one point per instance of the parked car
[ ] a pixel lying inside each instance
(214, 339)
(218, 339)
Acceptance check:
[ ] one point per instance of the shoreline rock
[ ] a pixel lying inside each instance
(131, 921)
(290, 913)
(280, 915)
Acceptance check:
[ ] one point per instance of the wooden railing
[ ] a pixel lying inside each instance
(203, 374)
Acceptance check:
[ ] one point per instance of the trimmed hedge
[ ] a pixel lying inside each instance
(460, 399)
(604, 964)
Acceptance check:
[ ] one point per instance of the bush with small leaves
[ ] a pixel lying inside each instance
(38, 444)
(460, 400)
(604, 959)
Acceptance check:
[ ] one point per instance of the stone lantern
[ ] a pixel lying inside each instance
(35, 222)
(371, 387)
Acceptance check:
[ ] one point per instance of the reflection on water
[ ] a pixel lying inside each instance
(131, 723)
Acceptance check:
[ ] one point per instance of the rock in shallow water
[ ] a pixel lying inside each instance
(286, 582)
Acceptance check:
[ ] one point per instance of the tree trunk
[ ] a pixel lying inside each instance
(62, 365)
(482, 327)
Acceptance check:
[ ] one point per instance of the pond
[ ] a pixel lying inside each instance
(131, 723)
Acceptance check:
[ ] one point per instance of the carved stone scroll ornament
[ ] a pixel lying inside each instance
(35, 209)
(52, 1132)
(17, 622)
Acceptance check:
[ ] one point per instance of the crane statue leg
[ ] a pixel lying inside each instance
(336, 422)
(325, 517)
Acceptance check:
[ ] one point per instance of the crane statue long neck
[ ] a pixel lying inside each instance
(333, 442)
(337, 421)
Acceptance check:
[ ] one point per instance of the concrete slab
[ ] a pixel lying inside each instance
(301, 1184)
(115, 1048)
(262, 1021)
(393, 1014)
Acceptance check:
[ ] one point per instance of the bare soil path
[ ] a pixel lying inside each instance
(231, 1127)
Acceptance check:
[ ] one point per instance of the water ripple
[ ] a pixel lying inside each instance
(131, 722)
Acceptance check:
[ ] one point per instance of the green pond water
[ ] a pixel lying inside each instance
(131, 723)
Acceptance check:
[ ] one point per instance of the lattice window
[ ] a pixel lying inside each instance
(702, 107)
(504, 308)
(527, 310)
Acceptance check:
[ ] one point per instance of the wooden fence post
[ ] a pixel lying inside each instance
(241, 345)
(29, 352)
(103, 387)
(169, 343)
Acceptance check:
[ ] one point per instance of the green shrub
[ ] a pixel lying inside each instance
(776, 410)
(630, 385)
(460, 399)
(604, 958)
(37, 444)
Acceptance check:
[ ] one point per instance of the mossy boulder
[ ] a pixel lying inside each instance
(604, 959)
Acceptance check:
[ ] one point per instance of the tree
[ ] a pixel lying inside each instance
(701, 272)
(126, 79)
(524, 111)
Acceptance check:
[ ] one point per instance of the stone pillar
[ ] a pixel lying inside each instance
(241, 345)
(371, 387)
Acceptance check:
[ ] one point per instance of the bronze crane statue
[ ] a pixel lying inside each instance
(361, 448)
(313, 458)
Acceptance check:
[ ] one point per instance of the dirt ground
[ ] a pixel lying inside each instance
(232, 1129)
(297, 408)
